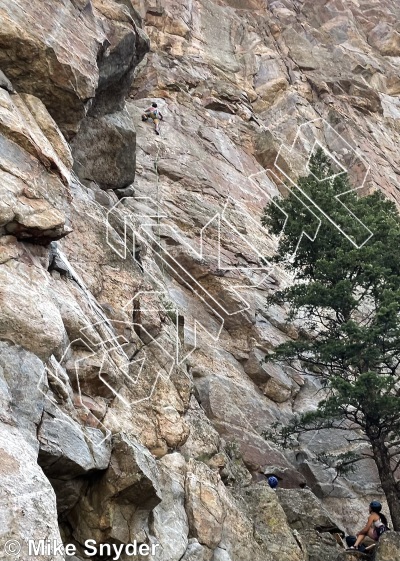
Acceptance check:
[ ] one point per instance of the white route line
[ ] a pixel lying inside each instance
(294, 185)
(143, 232)
(64, 417)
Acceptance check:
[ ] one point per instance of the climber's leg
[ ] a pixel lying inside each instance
(360, 538)
(157, 125)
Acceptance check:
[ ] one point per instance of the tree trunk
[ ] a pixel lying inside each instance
(389, 486)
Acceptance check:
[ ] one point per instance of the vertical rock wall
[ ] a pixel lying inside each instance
(134, 271)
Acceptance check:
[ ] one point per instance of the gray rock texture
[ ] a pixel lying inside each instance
(134, 271)
(388, 547)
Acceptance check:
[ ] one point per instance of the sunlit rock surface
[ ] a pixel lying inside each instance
(134, 271)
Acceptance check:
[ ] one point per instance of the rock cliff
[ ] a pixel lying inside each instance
(134, 269)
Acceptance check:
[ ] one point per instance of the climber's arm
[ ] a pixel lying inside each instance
(368, 525)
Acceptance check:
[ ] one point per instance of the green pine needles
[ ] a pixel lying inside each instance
(348, 297)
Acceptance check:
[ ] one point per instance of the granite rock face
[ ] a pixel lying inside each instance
(388, 547)
(104, 150)
(134, 270)
(88, 61)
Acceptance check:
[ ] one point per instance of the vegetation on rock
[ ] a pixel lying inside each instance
(348, 294)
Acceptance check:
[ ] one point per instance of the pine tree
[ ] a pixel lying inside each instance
(348, 295)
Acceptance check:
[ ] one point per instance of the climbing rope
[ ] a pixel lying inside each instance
(158, 201)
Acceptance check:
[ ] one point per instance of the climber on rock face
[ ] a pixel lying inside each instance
(375, 526)
(155, 114)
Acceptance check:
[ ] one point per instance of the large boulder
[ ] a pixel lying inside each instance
(388, 548)
(18, 123)
(21, 398)
(28, 503)
(28, 317)
(218, 521)
(49, 128)
(35, 174)
(94, 50)
(270, 523)
(59, 68)
(307, 516)
(68, 450)
(104, 150)
(304, 511)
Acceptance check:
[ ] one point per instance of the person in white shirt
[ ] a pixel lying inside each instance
(155, 115)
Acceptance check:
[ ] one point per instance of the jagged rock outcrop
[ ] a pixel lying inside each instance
(134, 269)
(388, 547)
(312, 523)
(104, 150)
(89, 59)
